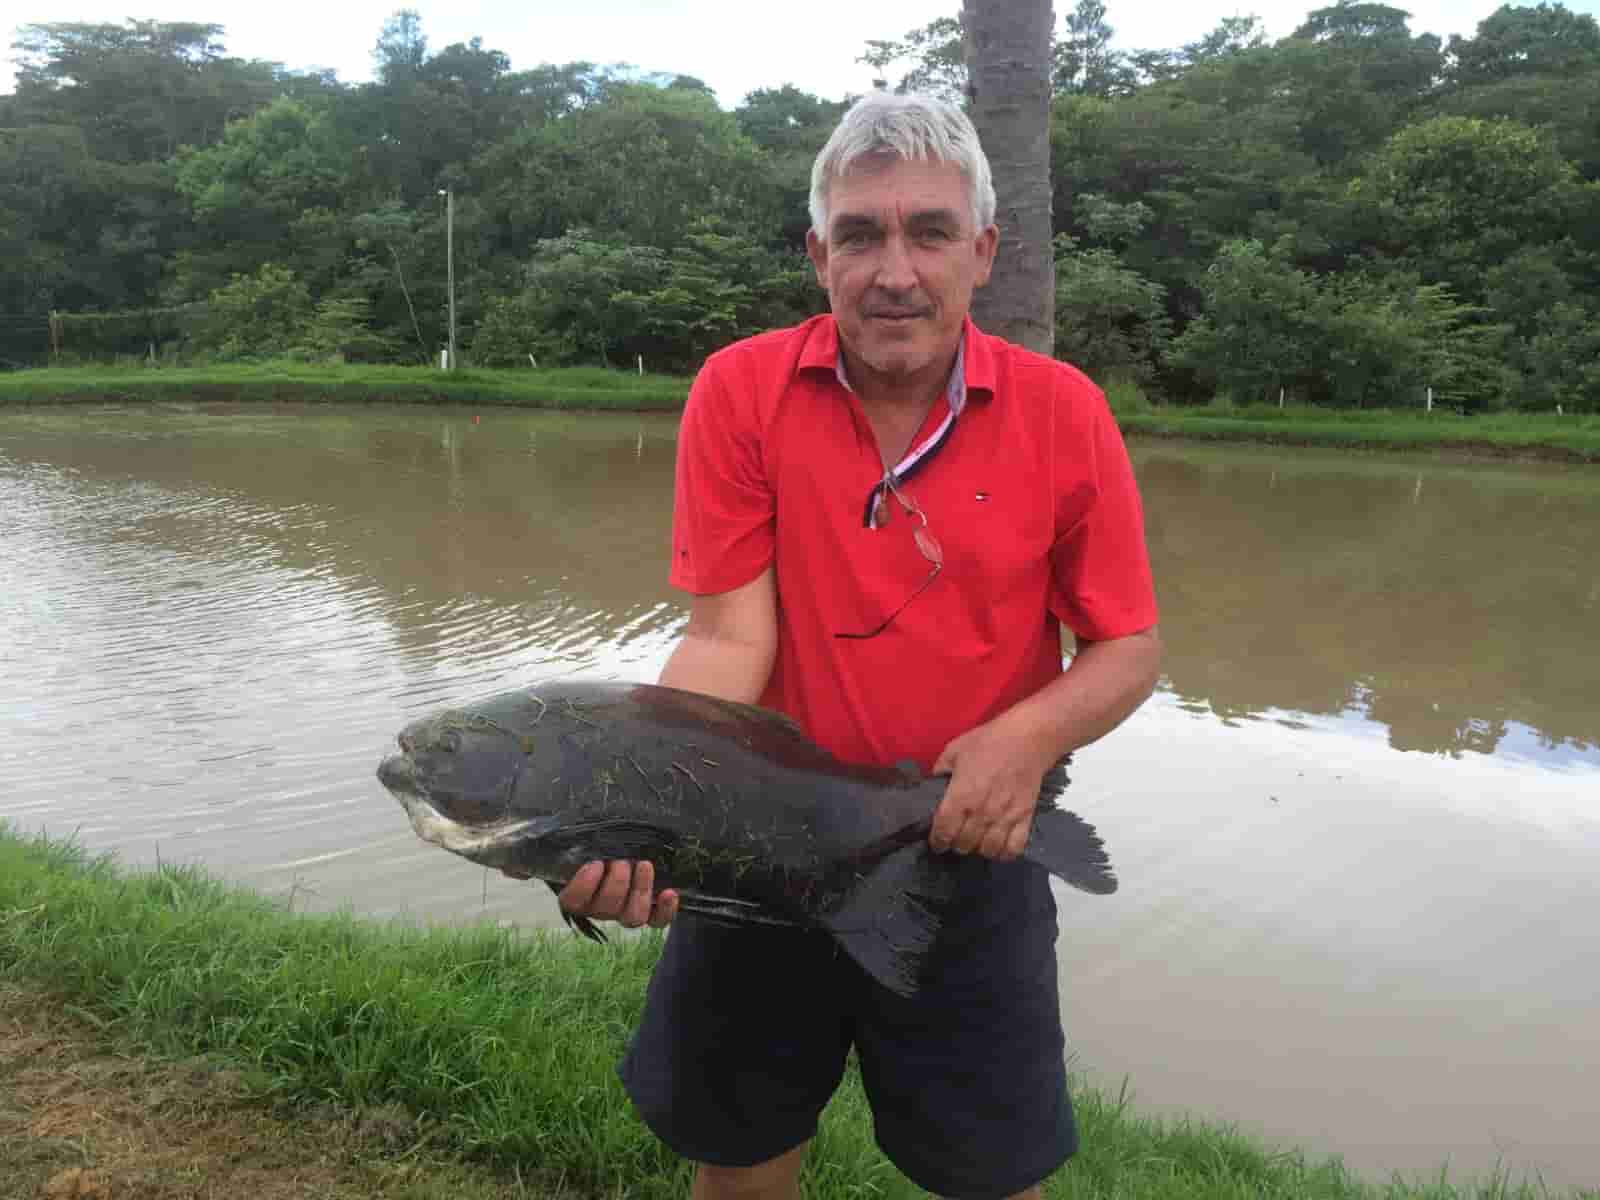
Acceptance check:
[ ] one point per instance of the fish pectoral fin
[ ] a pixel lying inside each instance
(1067, 846)
(611, 840)
(890, 920)
(577, 922)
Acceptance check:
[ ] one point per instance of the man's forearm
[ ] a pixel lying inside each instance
(1102, 687)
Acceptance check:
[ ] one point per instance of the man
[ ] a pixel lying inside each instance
(883, 515)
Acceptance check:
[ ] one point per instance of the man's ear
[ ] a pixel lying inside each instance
(987, 242)
(817, 252)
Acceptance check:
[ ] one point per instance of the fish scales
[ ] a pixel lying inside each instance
(744, 816)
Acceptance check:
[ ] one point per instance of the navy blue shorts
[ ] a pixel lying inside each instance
(746, 1031)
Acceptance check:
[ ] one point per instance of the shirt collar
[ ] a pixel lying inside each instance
(955, 388)
(971, 376)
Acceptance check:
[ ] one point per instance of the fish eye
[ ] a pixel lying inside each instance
(450, 742)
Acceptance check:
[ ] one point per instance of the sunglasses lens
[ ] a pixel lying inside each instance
(929, 545)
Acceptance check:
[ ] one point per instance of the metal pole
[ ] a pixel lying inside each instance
(450, 265)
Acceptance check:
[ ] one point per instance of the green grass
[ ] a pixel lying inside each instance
(1543, 435)
(505, 1042)
(566, 387)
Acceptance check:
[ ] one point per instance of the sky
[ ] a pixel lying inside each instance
(733, 45)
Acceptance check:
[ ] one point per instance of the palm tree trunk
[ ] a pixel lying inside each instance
(1008, 68)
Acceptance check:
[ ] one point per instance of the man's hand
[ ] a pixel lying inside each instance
(994, 788)
(619, 891)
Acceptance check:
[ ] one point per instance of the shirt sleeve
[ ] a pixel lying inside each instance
(723, 512)
(1101, 586)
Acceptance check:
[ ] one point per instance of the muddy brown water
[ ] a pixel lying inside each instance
(1358, 828)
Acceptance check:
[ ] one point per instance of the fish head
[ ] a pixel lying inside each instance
(457, 776)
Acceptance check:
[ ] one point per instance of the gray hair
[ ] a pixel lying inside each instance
(911, 127)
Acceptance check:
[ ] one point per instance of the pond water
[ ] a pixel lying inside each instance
(1357, 827)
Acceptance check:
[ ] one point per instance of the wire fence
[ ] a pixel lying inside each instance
(39, 339)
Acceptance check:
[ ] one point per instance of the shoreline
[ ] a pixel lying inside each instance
(1505, 436)
(501, 1042)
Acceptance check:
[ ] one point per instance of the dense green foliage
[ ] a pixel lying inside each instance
(1348, 216)
(504, 1043)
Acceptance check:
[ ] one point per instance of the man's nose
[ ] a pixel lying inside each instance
(896, 271)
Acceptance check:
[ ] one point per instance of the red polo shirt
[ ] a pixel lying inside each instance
(1030, 494)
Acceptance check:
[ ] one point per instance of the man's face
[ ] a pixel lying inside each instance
(901, 259)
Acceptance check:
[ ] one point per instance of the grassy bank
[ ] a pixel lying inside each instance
(501, 1045)
(1514, 435)
(567, 387)
(1502, 435)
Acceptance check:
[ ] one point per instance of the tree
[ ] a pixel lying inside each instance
(341, 329)
(1109, 320)
(644, 162)
(1354, 74)
(1084, 61)
(284, 170)
(1233, 35)
(790, 126)
(938, 59)
(138, 90)
(1453, 195)
(1545, 39)
(1258, 332)
(401, 48)
(256, 316)
(1008, 62)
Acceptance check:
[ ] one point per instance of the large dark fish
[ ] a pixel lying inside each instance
(748, 819)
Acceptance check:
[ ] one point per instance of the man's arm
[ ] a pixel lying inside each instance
(996, 768)
(727, 650)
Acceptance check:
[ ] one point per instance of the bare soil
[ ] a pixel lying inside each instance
(80, 1117)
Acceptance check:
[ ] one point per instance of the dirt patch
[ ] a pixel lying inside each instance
(81, 1118)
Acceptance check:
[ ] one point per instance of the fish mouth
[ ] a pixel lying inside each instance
(399, 774)
(492, 843)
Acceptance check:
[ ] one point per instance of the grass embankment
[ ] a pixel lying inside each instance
(496, 1048)
(1571, 438)
(1512, 435)
(565, 387)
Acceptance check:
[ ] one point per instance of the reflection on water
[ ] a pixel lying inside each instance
(1356, 830)
(1451, 604)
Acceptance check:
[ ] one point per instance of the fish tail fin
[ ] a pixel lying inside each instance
(1067, 846)
(888, 924)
